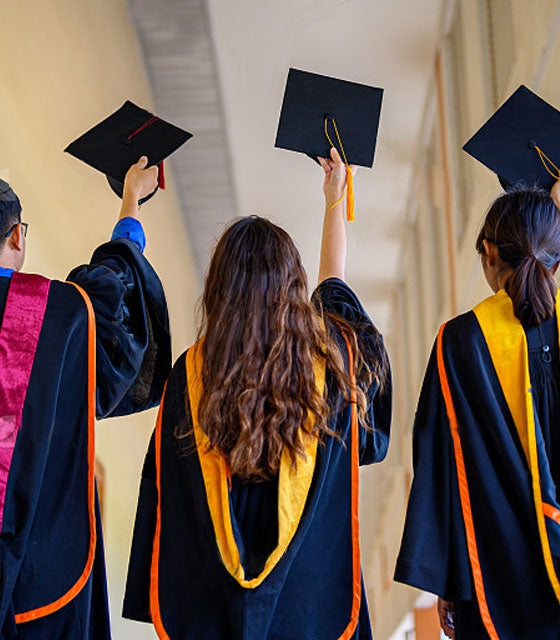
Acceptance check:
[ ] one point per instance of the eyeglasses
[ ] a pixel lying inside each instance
(24, 227)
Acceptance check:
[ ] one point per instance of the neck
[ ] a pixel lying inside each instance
(501, 275)
(502, 279)
(6, 262)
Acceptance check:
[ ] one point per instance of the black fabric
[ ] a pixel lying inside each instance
(45, 532)
(308, 595)
(336, 297)
(309, 98)
(118, 141)
(132, 325)
(544, 366)
(433, 553)
(506, 142)
(256, 517)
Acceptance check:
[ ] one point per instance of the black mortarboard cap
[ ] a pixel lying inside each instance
(9, 202)
(119, 141)
(309, 99)
(520, 142)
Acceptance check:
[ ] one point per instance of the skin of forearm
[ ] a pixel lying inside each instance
(333, 246)
(129, 207)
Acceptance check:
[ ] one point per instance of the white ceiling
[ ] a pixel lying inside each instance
(243, 48)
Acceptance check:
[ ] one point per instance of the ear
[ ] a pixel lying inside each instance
(14, 241)
(491, 252)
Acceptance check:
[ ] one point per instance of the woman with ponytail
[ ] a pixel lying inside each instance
(483, 522)
(247, 523)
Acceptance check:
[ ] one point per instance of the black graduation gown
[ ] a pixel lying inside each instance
(308, 593)
(483, 526)
(48, 533)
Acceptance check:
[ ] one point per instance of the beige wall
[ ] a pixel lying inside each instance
(487, 49)
(66, 64)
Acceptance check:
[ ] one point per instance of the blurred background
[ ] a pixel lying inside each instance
(218, 69)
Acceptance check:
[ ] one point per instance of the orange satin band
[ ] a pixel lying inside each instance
(464, 493)
(155, 611)
(355, 505)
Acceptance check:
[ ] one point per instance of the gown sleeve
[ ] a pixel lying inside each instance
(335, 297)
(133, 341)
(433, 553)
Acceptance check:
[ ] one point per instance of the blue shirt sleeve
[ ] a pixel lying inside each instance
(131, 229)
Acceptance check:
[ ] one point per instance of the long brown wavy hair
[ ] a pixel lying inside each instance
(524, 224)
(261, 337)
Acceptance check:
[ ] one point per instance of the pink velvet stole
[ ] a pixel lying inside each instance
(21, 325)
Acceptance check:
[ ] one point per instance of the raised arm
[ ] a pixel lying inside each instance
(133, 343)
(333, 245)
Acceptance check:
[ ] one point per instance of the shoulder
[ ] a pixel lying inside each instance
(462, 334)
(65, 298)
(459, 324)
(335, 297)
(334, 292)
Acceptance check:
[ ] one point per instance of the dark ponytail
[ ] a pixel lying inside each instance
(525, 227)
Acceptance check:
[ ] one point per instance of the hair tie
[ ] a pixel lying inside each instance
(547, 260)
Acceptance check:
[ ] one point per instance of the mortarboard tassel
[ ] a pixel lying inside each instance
(349, 194)
(544, 159)
(349, 190)
(161, 176)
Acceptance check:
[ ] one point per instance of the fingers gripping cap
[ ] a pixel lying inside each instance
(119, 141)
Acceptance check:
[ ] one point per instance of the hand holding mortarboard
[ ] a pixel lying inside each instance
(334, 184)
(116, 143)
(320, 112)
(140, 182)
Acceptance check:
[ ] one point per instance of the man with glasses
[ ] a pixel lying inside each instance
(96, 345)
(11, 227)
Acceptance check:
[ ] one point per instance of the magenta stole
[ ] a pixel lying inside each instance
(19, 335)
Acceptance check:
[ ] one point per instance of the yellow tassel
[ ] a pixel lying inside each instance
(349, 194)
(349, 190)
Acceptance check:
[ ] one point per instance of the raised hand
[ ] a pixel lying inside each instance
(334, 183)
(139, 182)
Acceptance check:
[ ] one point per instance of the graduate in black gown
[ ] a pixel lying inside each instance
(483, 522)
(247, 516)
(68, 353)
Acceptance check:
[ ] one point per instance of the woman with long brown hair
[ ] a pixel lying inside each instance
(247, 518)
(483, 522)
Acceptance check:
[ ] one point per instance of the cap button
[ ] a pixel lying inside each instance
(532, 144)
